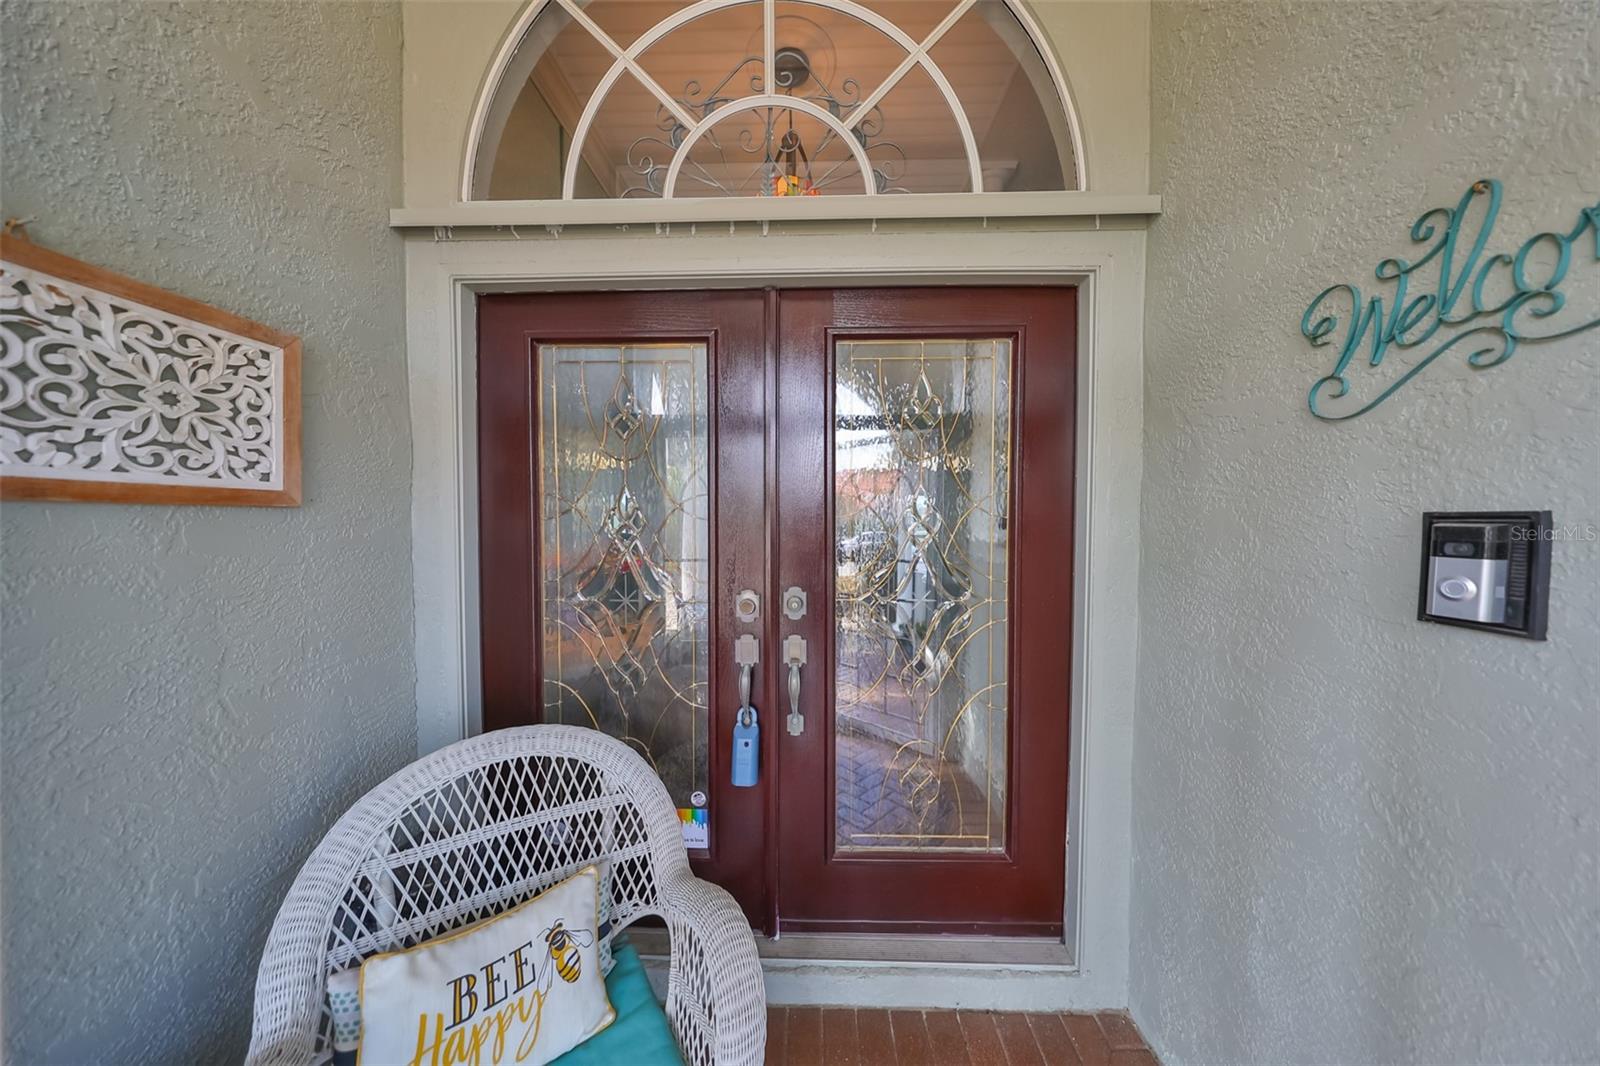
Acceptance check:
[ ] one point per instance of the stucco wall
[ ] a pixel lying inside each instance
(1358, 837)
(191, 695)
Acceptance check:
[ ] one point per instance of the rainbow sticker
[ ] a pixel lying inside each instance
(696, 822)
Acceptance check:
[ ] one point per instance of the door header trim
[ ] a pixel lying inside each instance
(956, 205)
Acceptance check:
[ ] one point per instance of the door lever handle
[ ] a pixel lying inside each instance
(794, 653)
(746, 654)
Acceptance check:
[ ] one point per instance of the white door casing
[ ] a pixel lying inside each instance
(444, 277)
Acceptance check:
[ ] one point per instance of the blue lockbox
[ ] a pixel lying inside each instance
(746, 748)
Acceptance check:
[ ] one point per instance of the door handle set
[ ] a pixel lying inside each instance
(794, 654)
(747, 654)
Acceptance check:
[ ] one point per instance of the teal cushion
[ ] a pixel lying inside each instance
(640, 1035)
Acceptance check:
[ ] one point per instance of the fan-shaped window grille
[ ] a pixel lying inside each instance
(658, 98)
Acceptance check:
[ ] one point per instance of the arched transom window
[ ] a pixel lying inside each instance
(659, 98)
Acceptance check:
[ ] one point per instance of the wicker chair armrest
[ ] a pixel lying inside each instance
(290, 990)
(716, 999)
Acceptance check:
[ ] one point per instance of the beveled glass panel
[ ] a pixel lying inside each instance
(922, 457)
(625, 549)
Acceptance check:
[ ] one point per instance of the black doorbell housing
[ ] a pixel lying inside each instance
(1487, 570)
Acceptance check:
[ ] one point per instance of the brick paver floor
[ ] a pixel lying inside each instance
(845, 1036)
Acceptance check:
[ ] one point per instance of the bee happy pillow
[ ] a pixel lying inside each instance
(523, 987)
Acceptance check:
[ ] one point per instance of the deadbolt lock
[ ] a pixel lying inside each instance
(794, 603)
(747, 605)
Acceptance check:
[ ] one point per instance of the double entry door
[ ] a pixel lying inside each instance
(809, 553)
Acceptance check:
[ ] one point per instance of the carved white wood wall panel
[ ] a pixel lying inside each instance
(113, 390)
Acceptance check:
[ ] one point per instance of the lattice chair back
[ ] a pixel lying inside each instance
(476, 828)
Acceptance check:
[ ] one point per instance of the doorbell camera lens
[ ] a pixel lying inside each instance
(1459, 549)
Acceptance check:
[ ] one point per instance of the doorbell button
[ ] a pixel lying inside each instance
(1458, 588)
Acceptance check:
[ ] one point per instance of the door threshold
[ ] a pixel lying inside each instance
(966, 950)
(910, 972)
(1010, 952)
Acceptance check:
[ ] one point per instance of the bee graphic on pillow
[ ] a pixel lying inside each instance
(564, 944)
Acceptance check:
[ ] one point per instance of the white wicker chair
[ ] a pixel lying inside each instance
(470, 830)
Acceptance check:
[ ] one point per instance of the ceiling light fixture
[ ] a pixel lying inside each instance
(784, 164)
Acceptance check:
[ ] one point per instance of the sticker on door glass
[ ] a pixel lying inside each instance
(696, 823)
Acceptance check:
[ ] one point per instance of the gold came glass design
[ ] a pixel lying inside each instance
(625, 538)
(922, 446)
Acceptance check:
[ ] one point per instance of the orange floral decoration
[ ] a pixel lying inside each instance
(791, 185)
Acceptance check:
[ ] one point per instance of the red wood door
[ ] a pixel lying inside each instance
(924, 503)
(622, 506)
(645, 457)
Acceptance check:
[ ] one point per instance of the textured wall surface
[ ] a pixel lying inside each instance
(191, 695)
(1358, 837)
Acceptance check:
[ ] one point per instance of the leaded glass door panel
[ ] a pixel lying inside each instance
(921, 434)
(925, 457)
(625, 535)
(621, 489)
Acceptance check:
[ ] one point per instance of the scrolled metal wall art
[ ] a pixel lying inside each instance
(1490, 334)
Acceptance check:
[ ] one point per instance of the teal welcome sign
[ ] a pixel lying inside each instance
(1450, 307)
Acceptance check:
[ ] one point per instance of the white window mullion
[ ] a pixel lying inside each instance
(769, 46)
(755, 103)
(913, 58)
(668, 101)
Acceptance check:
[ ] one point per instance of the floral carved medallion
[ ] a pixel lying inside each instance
(114, 390)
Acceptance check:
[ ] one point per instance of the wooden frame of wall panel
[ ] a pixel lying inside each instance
(24, 253)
